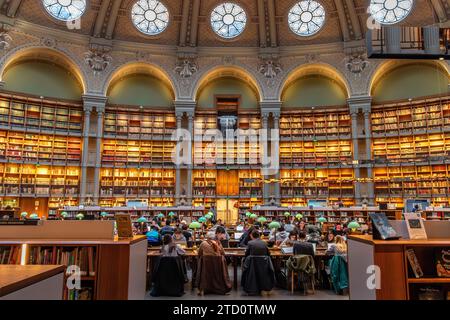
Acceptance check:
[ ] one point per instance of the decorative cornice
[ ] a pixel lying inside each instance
(95, 101)
(360, 102)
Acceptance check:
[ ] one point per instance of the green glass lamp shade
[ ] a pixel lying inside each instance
(248, 214)
(104, 214)
(171, 214)
(80, 216)
(160, 215)
(253, 216)
(322, 219)
(287, 214)
(262, 219)
(209, 215)
(299, 216)
(274, 225)
(202, 219)
(34, 216)
(354, 225)
(142, 220)
(24, 214)
(195, 225)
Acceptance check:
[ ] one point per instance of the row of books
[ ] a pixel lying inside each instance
(10, 255)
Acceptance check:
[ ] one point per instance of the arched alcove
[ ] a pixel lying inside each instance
(313, 91)
(42, 78)
(409, 81)
(227, 87)
(141, 90)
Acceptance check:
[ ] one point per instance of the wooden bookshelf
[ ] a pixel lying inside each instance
(297, 186)
(129, 153)
(432, 115)
(137, 183)
(28, 180)
(32, 114)
(412, 149)
(204, 183)
(396, 184)
(38, 148)
(316, 153)
(98, 261)
(334, 124)
(130, 122)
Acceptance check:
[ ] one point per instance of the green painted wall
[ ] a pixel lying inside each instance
(42, 79)
(411, 81)
(228, 86)
(314, 91)
(141, 90)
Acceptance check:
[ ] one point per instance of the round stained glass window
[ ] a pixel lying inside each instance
(306, 18)
(390, 11)
(228, 20)
(65, 10)
(150, 16)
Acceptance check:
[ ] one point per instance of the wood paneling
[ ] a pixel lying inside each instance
(391, 261)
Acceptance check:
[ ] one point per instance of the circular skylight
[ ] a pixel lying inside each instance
(65, 10)
(150, 16)
(228, 20)
(306, 18)
(390, 11)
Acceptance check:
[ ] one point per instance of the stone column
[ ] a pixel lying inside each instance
(265, 153)
(191, 117)
(431, 39)
(99, 103)
(392, 39)
(179, 116)
(363, 103)
(85, 152)
(277, 186)
(98, 153)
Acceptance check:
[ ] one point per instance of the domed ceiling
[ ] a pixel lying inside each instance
(223, 23)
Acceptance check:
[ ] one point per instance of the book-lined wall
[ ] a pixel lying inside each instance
(411, 148)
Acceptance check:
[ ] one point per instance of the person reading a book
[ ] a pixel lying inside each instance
(170, 248)
(289, 242)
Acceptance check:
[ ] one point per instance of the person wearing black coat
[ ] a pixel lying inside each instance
(303, 247)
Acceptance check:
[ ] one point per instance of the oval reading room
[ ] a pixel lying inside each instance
(224, 150)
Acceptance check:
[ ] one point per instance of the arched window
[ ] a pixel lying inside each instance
(390, 11)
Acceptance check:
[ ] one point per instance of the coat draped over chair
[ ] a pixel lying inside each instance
(258, 274)
(169, 276)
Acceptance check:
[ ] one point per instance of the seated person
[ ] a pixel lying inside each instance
(212, 258)
(289, 227)
(303, 247)
(170, 248)
(221, 236)
(179, 238)
(256, 246)
(153, 237)
(279, 236)
(167, 229)
(240, 227)
(330, 237)
(339, 247)
(289, 242)
(245, 238)
(187, 235)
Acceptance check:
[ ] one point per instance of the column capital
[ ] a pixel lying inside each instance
(95, 101)
(270, 107)
(185, 106)
(360, 102)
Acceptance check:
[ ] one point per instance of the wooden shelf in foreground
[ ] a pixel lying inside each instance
(389, 262)
(31, 282)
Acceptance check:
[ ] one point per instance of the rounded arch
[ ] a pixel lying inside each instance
(314, 69)
(139, 68)
(236, 72)
(45, 54)
(414, 79)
